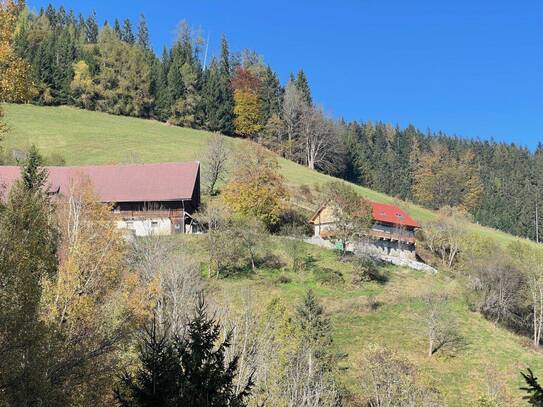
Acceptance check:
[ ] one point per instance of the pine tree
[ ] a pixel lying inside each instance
(143, 33)
(126, 33)
(117, 28)
(33, 174)
(533, 388)
(92, 28)
(155, 383)
(303, 85)
(185, 371)
(270, 96)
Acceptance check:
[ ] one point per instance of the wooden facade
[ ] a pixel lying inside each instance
(391, 226)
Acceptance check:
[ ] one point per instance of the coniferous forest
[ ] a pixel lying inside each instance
(111, 67)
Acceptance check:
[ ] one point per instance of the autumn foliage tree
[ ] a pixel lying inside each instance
(15, 78)
(95, 302)
(246, 102)
(256, 188)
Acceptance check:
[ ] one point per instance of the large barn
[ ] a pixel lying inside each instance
(392, 232)
(147, 199)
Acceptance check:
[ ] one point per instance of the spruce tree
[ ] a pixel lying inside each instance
(207, 379)
(143, 33)
(163, 101)
(155, 383)
(225, 114)
(126, 33)
(315, 328)
(117, 28)
(92, 28)
(533, 388)
(187, 371)
(303, 85)
(33, 174)
(270, 95)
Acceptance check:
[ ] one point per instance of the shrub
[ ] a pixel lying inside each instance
(283, 279)
(365, 269)
(327, 276)
(292, 222)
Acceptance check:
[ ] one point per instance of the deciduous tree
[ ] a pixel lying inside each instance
(246, 102)
(15, 75)
(215, 161)
(256, 188)
(95, 302)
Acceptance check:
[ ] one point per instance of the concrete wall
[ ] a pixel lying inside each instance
(147, 227)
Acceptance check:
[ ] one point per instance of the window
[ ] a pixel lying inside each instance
(129, 224)
(154, 223)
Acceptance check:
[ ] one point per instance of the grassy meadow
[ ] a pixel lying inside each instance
(396, 322)
(84, 137)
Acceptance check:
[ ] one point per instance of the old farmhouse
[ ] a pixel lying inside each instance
(392, 232)
(147, 199)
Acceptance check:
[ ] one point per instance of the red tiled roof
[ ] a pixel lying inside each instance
(122, 183)
(392, 214)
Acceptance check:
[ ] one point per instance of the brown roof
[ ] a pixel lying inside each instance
(122, 183)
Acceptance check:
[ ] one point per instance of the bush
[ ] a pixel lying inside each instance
(271, 261)
(283, 279)
(327, 276)
(298, 256)
(293, 222)
(365, 269)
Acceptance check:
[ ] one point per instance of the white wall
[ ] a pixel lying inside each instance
(147, 227)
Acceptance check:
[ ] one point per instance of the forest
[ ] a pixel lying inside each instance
(112, 67)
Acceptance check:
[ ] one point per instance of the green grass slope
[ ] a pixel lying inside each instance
(490, 357)
(84, 137)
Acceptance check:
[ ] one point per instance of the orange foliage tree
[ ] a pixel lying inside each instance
(246, 102)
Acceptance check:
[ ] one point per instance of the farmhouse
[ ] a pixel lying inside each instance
(392, 232)
(157, 199)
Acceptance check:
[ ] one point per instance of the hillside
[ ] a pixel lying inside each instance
(84, 137)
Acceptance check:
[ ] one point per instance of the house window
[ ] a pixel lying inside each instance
(129, 224)
(154, 223)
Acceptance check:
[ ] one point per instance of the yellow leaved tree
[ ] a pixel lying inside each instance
(256, 188)
(15, 77)
(95, 302)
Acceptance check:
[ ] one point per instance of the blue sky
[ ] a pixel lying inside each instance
(468, 67)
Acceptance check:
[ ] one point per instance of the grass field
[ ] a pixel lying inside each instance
(490, 357)
(83, 137)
